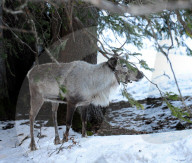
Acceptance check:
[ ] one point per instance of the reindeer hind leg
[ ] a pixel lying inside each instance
(70, 111)
(54, 114)
(36, 103)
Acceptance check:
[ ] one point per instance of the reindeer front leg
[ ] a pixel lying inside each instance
(70, 111)
(84, 121)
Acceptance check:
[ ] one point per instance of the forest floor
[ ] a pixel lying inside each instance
(122, 119)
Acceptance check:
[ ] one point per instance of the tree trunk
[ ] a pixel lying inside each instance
(16, 59)
(6, 110)
(3, 90)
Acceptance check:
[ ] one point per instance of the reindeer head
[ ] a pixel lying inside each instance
(123, 72)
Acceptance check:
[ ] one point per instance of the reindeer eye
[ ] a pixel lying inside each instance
(124, 65)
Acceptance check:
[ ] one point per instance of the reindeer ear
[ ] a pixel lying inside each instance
(112, 62)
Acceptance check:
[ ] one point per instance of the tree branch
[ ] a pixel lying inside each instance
(17, 37)
(179, 18)
(141, 9)
(18, 11)
(121, 9)
(16, 29)
(171, 66)
(52, 58)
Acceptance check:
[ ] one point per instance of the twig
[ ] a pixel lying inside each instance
(18, 11)
(142, 9)
(17, 37)
(25, 138)
(16, 29)
(36, 40)
(156, 7)
(161, 92)
(170, 64)
(59, 149)
(164, 74)
(104, 54)
(123, 44)
(52, 58)
(56, 18)
(185, 26)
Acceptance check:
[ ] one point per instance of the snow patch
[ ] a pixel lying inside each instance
(171, 147)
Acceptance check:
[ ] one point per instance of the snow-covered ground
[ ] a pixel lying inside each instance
(170, 147)
(155, 118)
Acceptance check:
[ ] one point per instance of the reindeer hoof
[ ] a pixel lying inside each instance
(33, 147)
(57, 141)
(65, 139)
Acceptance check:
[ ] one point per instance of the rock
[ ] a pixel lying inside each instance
(179, 126)
(148, 122)
(8, 126)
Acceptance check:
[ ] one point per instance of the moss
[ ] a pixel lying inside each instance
(89, 133)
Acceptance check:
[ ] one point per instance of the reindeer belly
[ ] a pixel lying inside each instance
(51, 92)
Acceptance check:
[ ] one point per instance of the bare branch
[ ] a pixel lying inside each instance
(25, 138)
(123, 44)
(69, 11)
(18, 11)
(121, 9)
(33, 27)
(170, 64)
(52, 58)
(104, 54)
(17, 37)
(141, 9)
(187, 29)
(16, 29)
(170, 34)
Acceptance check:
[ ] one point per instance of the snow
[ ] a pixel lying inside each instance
(170, 147)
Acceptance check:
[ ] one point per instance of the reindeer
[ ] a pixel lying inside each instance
(78, 84)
